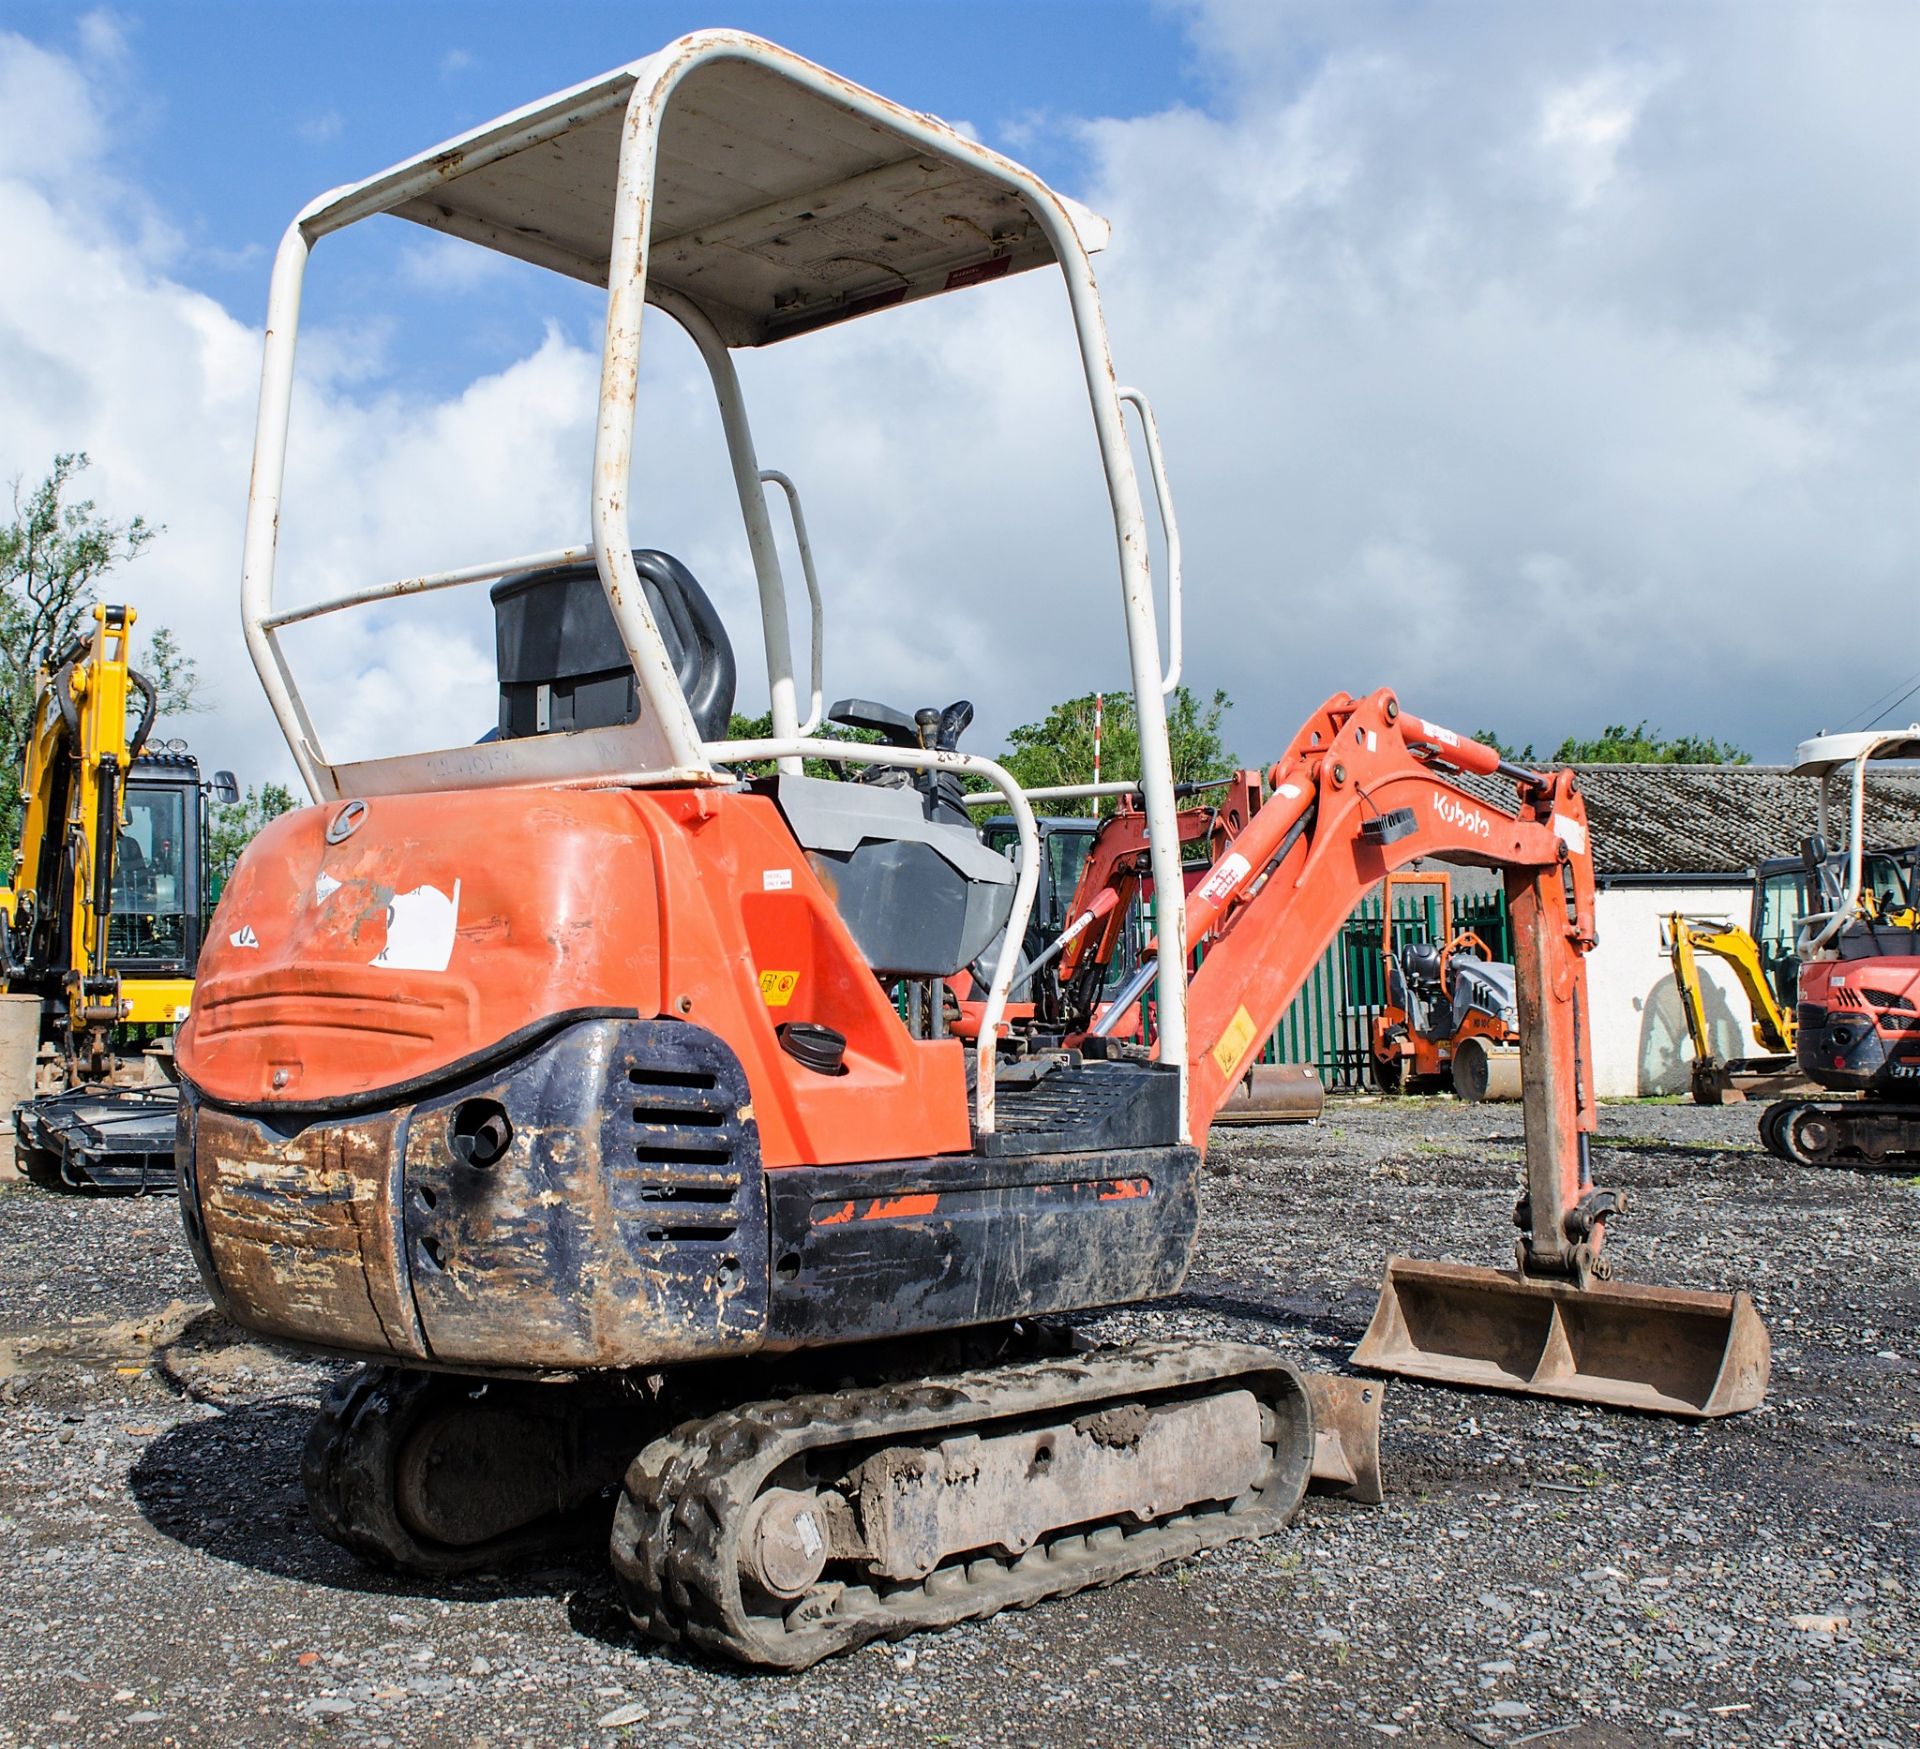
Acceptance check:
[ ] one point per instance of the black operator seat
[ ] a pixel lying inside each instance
(1422, 959)
(562, 665)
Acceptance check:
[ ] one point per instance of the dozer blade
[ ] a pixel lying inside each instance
(1346, 1436)
(1671, 1351)
(1275, 1093)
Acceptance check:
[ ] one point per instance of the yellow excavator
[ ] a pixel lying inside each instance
(1719, 1080)
(1764, 963)
(102, 916)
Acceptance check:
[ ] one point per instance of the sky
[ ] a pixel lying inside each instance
(1557, 366)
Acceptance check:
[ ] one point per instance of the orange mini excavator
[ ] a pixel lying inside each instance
(563, 1080)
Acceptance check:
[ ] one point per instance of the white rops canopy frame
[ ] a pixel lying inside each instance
(750, 196)
(1825, 757)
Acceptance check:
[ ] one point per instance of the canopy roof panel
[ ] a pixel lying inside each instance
(1825, 753)
(785, 197)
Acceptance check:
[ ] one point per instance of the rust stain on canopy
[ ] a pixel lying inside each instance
(785, 197)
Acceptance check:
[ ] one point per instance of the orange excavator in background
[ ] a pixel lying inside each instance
(1082, 941)
(1856, 971)
(563, 1079)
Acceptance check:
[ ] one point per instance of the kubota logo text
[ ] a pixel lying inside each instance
(1457, 814)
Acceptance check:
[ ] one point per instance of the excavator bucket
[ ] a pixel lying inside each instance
(1670, 1351)
(1275, 1093)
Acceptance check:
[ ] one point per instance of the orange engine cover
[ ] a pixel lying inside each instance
(442, 924)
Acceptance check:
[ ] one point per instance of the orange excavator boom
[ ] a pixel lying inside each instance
(1366, 788)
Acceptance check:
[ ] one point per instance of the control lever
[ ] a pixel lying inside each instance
(895, 728)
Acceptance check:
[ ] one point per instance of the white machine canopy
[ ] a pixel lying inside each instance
(776, 208)
(1826, 757)
(1825, 754)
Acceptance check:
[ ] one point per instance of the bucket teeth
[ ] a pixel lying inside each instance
(1669, 1351)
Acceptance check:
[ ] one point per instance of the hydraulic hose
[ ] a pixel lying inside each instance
(106, 839)
(136, 743)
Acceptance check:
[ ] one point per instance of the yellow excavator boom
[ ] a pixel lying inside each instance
(73, 787)
(1687, 936)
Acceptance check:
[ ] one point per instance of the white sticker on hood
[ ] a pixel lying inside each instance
(324, 887)
(244, 936)
(420, 929)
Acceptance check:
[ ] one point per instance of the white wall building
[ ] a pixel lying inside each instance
(1640, 1043)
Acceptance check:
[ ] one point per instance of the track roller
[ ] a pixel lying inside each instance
(1809, 1135)
(779, 1533)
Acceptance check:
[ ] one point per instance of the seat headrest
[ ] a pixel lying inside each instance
(561, 662)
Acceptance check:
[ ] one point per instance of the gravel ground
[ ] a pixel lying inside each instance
(1537, 1574)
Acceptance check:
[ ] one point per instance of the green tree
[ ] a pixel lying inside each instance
(53, 556)
(760, 728)
(175, 674)
(233, 825)
(1514, 755)
(1617, 744)
(1059, 748)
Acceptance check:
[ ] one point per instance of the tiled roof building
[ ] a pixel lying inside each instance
(1654, 820)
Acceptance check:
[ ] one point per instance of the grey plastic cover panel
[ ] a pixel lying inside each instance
(1484, 984)
(839, 817)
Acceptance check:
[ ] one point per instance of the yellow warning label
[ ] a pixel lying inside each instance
(777, 988)
(1234, 1042)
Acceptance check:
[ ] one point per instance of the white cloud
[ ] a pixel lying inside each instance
(317, 130)
(455, 61)
(1551, 381)
(1383, 312)
(48, 117)
(445, 265)
(101, 36)
(102, 351)
(1585, 126)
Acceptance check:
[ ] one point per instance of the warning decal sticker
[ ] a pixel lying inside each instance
(1234, 1043)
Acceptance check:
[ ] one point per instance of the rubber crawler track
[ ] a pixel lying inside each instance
(1842, 1133)
(351, 1457)
(676, 1530)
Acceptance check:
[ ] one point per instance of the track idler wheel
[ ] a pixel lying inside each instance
(436, 1473)
(1770, 1123)
(1809, 1136)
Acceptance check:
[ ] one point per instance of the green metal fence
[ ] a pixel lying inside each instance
(1330, 1023)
